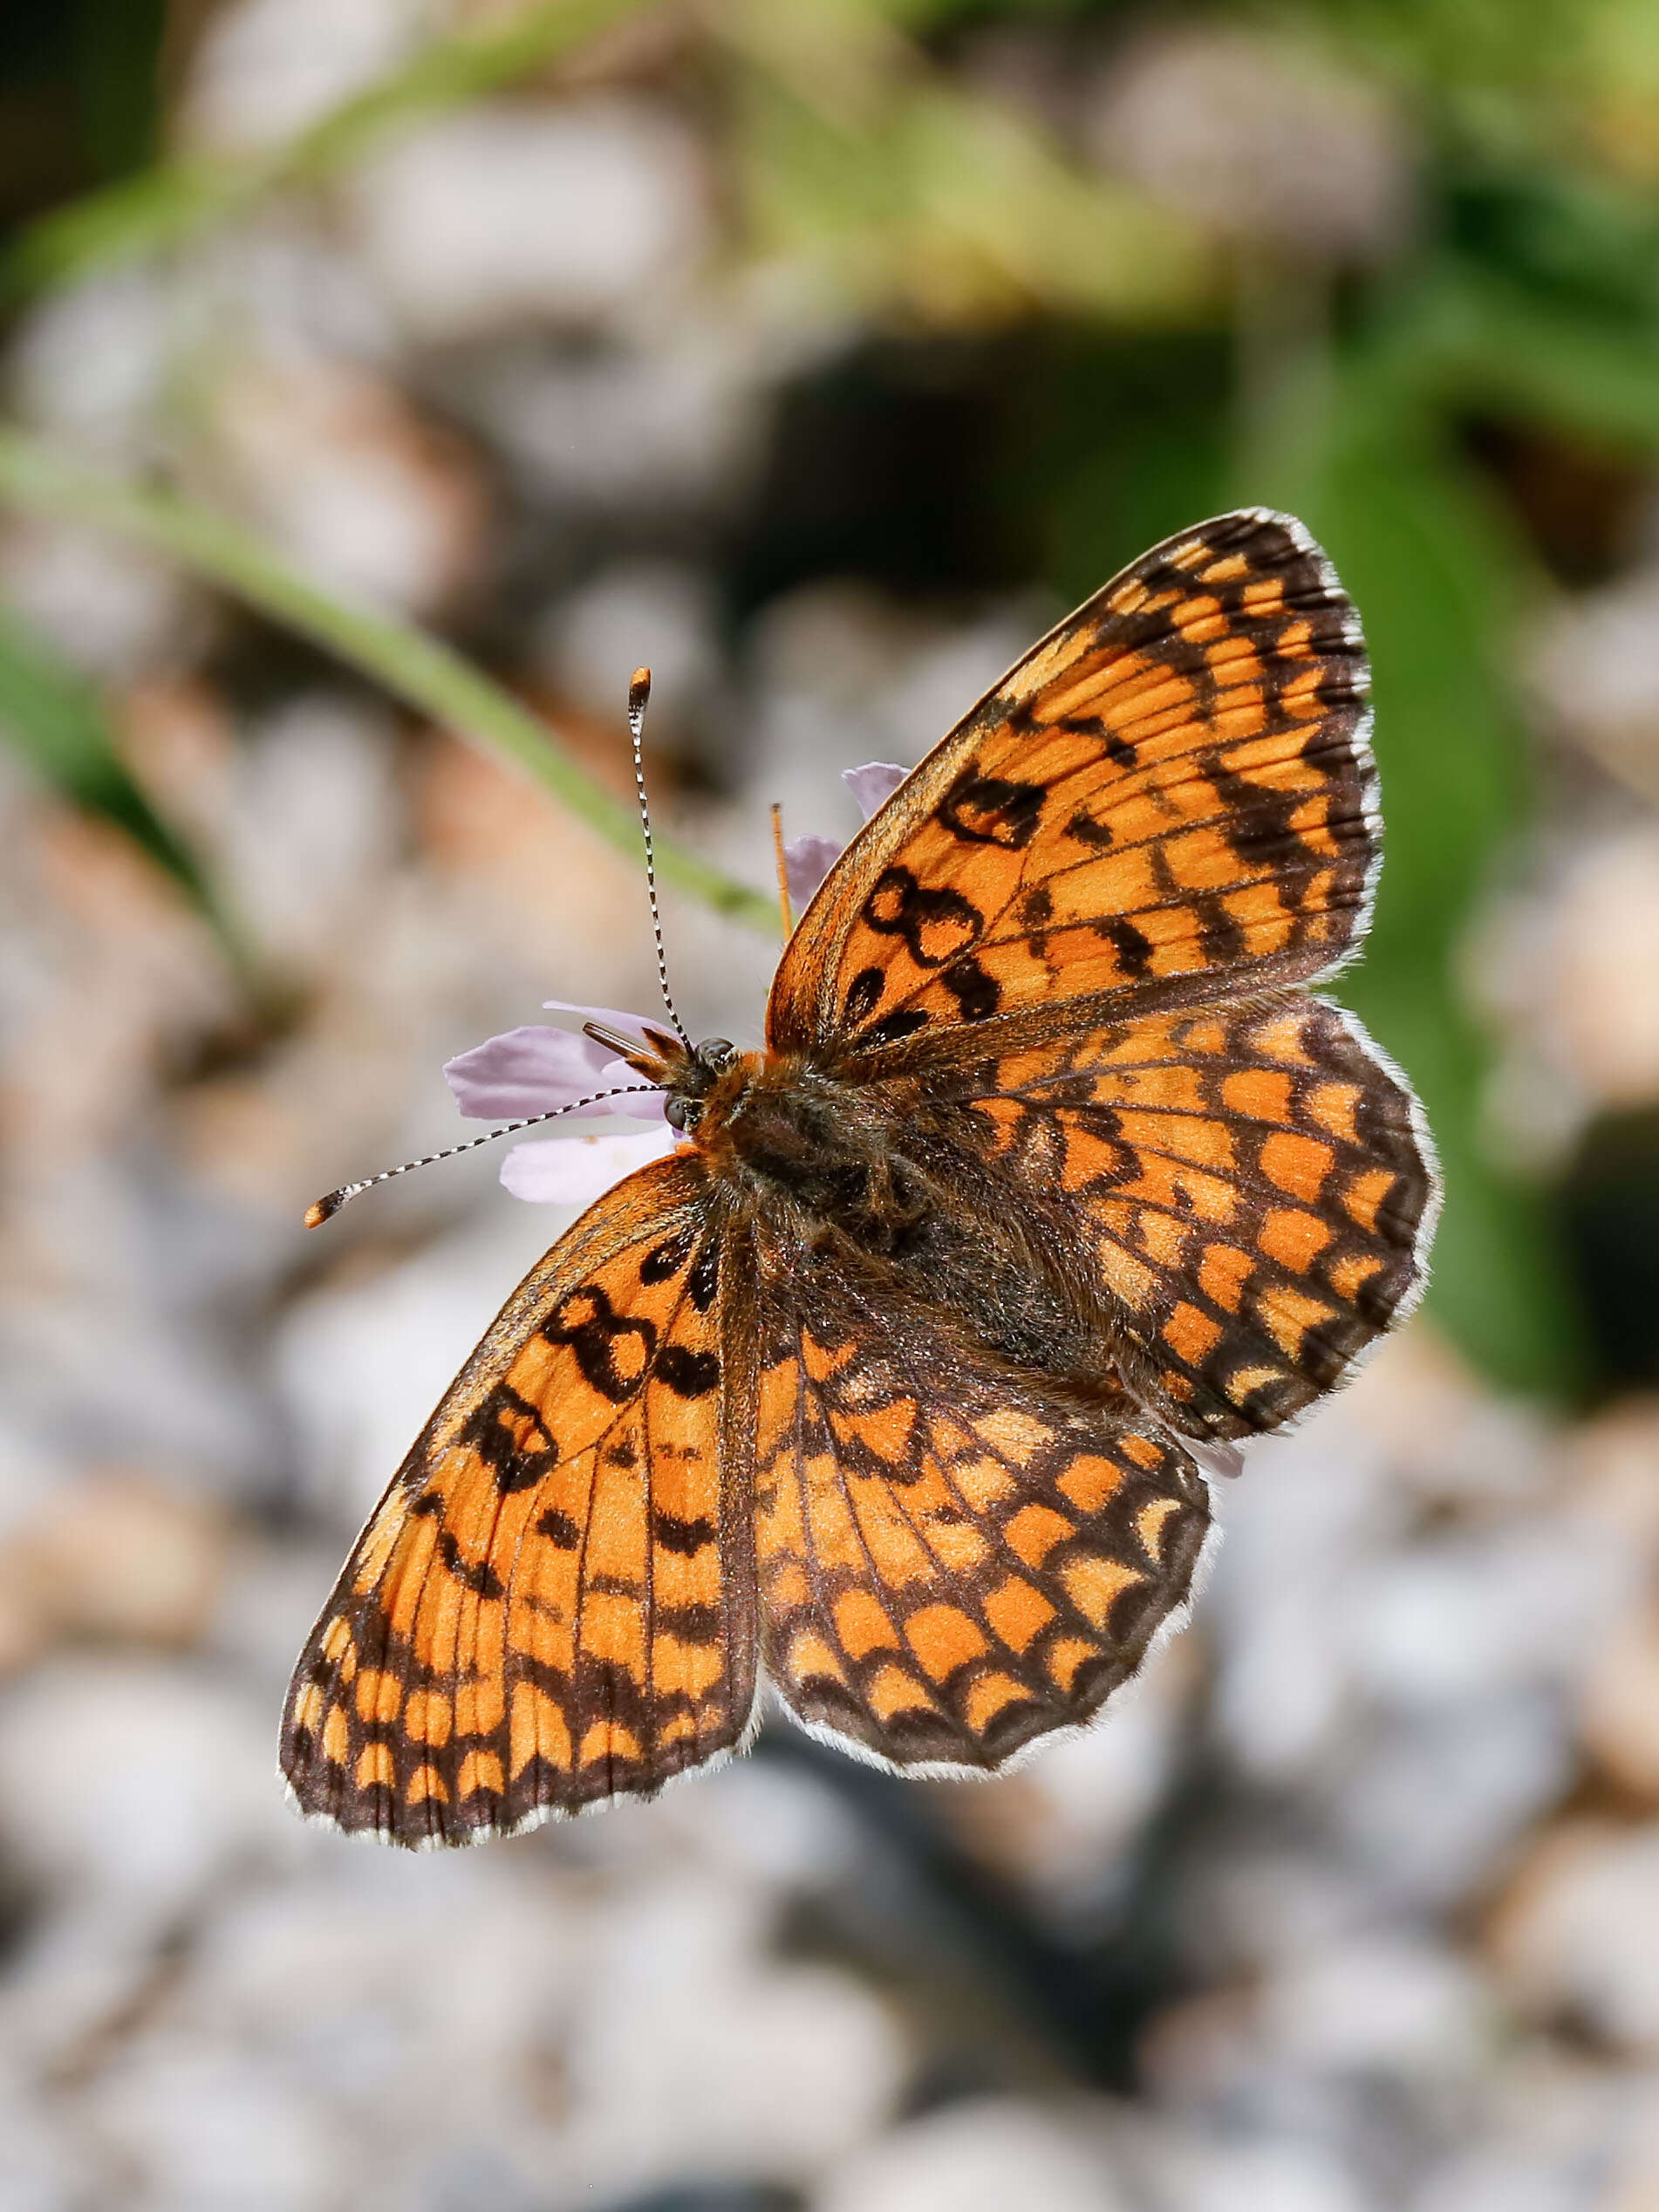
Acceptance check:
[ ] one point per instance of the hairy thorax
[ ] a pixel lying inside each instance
(864, 1182)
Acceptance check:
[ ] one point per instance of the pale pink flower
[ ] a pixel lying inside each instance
(807, 860)
(540, 1070)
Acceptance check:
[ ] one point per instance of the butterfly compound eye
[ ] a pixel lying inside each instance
(681, 1113)
(717, 1052)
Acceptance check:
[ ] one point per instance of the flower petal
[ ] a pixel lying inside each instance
(873, 784)
(638, 1105)
(532, 1071)
(807, 860)
(573, 1170)
(1215, 1455)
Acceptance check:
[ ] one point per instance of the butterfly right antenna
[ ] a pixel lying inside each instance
(639, 698)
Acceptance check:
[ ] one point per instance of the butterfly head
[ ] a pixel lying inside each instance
(698, 1074)
(688, 1075)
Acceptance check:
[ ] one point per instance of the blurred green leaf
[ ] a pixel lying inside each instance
(1120, 438)
(116, 49)
(857, 153)
(166, 205)
(1478, 343)
(55, 720)
(1441, 587)
(416, 667)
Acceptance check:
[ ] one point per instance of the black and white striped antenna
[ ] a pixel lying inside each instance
(638, 699)
(325, 1208)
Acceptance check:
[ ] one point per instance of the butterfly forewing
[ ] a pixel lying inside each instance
(1170, 795)
(553, 1604)
(951, 1563)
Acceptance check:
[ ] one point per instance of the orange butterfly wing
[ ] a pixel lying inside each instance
(1252, 1181)
(953, 1559)
(1172, 795)
(553, 1604)
(1168, 806)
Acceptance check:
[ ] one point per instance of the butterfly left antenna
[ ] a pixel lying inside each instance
(639, 698)
(325, 1208)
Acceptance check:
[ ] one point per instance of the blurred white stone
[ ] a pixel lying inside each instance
(107, 608)
(675, 421)
(135, 1775)
(1314, 1510)
(40, 2170)
(290, 287)
(115, 1357)
(1593, 672)
(845, 644)
(409, 2011)
(264, 69)
(1557, 2127)
(1579, 1931)
(660, 612)
(841, 675)
(360, 489)
(1431, 1808)
(1261, 140)
(1451, 1443)
(1620, 1712)
(692, 2052)
(92, 361)
(1634, 2183)
(1572, 971)
(1270, 1901)
(780, 1827)
(383, 1981)
(115, 1555)
(1379, 2004)
(1501, 2181)
(312, 825)
(84, 1958)
(1253, 2177)
(1601, 994)
(980, 2156)
(1613, 1464)
(269, 1599)
(1059, 1824)
(194, 2127)
(528, 211)
(1476, 1612)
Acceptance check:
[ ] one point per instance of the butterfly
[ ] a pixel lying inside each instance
(894, 1386)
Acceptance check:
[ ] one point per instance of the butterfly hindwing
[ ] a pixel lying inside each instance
(1253, 1182)
(552, 1606)
(949, 1566)
(1170, 794)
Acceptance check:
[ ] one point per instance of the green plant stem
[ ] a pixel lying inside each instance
(418, 668)
(166, 205)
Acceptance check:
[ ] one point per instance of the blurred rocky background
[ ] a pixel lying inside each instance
(820, 354)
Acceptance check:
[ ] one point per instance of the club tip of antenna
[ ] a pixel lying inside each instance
(325, 1209)
(639, 691)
